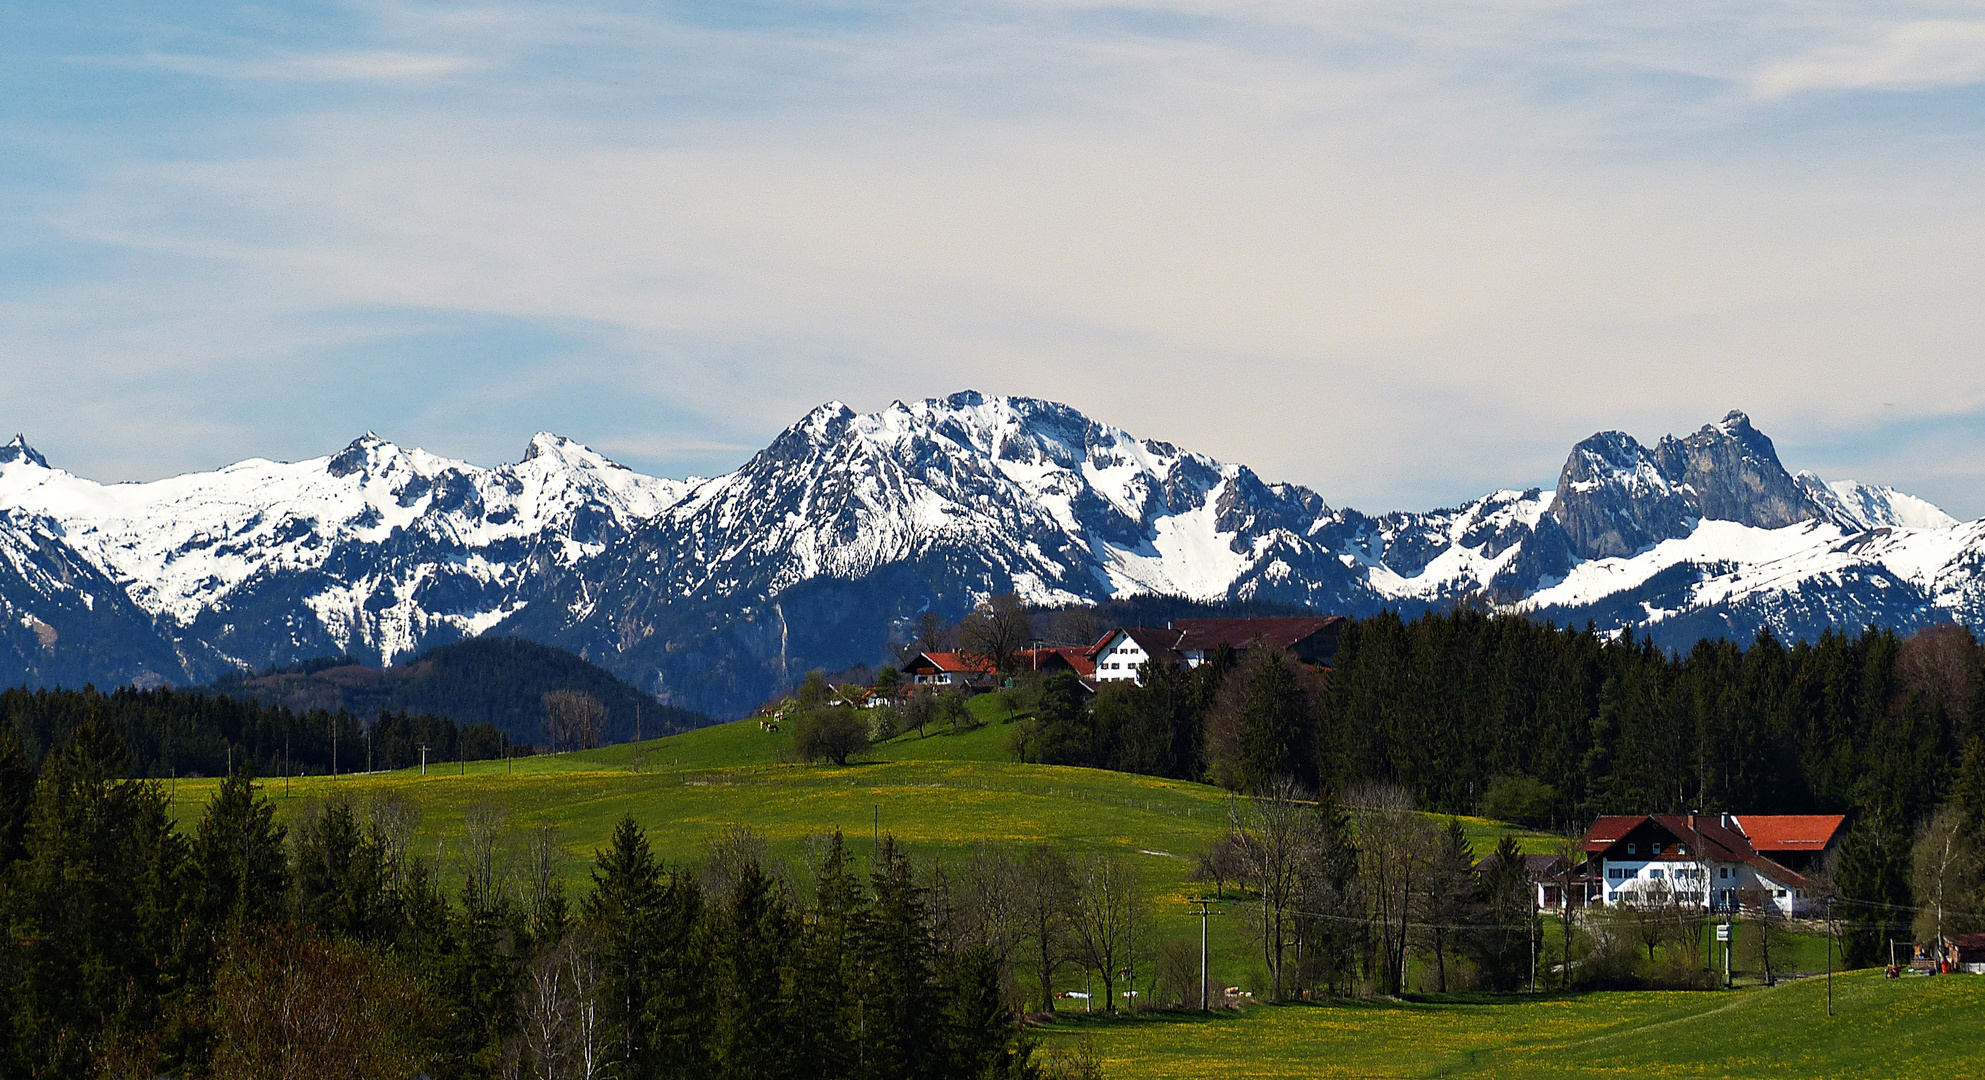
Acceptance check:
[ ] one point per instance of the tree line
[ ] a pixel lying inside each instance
(167, 732)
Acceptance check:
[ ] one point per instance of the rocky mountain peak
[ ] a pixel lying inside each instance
(19, 450)
(1616, 497)
(359, 455)
(1733, 474)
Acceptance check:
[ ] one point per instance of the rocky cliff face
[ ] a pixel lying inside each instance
(1617, 498)
(831, 541)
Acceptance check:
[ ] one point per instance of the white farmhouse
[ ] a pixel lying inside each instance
(1719, 862)
(1312, 639)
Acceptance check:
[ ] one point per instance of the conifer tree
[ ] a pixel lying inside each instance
(239, 870)
(825, 995)
(753, 1013)
(92, 908)
(902, 1007)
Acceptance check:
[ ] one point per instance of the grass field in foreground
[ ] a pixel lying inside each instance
(1882, 1028)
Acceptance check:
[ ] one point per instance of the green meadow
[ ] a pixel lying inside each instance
(943, 794)
(1881, 1029)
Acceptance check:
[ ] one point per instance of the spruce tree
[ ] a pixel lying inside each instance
(901, 1003)
(825, 995)
(754, 1015)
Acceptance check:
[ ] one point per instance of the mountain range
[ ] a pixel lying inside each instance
(828, 544)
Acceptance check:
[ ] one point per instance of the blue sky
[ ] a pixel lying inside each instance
(1400, 251)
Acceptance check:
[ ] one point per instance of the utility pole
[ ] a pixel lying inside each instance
(875, 834)
(285, 766)
(423, 759)
(637, 721)
(1205, 977)
(334, 747)
(1829, 956)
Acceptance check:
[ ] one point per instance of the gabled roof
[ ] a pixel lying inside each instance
(1282, 631)
(1710, 840)
(1609, 829)
(1790, 832)
(1054, 658)
(955, 662)
(1155, 641)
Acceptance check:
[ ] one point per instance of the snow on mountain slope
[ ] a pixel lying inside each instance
(381, 544)
(1870, 507)
(837, 536)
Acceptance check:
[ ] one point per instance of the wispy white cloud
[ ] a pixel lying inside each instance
(1917, 55)
(1400, 251)
(323, 67)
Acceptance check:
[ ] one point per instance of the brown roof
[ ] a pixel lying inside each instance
(1711, 839)
(1610, 828)
(1080, 660)
(1205, 635)
(1156, 641)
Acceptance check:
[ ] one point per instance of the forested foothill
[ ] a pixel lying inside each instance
(1466, 712)
(186, 733)
(499, 681)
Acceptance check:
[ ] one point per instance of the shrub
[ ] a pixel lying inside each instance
(1519, 798)
(830, 735)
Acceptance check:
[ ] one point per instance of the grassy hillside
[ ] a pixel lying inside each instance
(941, 793)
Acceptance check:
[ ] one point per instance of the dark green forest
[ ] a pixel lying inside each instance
(497, 681)
(167, 732)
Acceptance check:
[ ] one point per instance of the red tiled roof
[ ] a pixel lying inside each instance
(957, 662)
(1789, 832)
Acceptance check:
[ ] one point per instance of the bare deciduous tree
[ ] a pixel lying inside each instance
(1043, 901)
(573, 719)
(393, 819)
(996, 631)
(548, 910)
(558, 1013)
(1107, 910)
(482, 853)
(1394, 849)
(1944, 876)
(1275, 838)
(728, 857)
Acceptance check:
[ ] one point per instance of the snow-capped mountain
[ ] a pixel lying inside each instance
(376, 550)
(835, 537)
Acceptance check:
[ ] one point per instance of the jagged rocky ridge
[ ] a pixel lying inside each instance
(830, 541)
